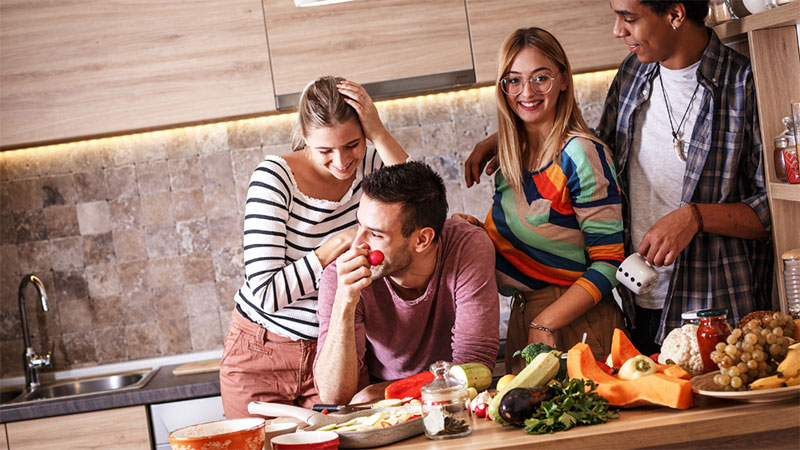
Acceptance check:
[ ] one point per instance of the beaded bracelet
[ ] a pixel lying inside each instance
(541, 327)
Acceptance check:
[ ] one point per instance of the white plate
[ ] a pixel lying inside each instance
(704, 385)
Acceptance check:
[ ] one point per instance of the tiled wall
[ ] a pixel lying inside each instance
(138, 238)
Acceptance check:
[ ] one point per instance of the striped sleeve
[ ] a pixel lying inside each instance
(273, 283)
(591, 180)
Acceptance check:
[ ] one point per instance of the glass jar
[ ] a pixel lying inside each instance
(445, 405)
(783, 142)
(690, 317)
(713, 328)
(791, 281)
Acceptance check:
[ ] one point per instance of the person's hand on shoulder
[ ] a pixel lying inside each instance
(484, 154)
(667, 238)
(472, 220)
(353, 274)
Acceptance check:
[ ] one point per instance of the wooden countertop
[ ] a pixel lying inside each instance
(741, 425)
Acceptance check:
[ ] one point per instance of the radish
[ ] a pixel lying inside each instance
(375, 257)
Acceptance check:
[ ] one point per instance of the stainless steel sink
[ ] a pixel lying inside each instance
(83, 386)
(7, 395)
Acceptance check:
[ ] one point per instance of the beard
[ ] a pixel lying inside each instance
(393, 263)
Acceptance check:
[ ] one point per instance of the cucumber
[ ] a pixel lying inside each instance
(474, 374)
(538, 373)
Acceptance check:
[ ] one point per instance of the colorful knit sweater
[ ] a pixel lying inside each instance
(568, 227)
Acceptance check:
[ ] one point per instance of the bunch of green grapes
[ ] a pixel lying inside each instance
(752, 351)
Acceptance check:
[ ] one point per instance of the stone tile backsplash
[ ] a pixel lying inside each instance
(138, 238)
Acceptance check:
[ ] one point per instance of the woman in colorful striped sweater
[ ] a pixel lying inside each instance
(556, 215)
(300, 215)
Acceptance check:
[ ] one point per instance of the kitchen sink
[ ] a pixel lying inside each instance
(77, 387)
(7, 395)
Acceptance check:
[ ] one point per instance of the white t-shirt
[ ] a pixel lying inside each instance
(655, 171)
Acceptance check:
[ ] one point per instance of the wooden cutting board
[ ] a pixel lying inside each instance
(212, 365)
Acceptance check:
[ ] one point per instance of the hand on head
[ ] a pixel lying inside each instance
(357, 97)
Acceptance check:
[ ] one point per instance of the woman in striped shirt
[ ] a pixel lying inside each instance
(556, 216)
(300, 215)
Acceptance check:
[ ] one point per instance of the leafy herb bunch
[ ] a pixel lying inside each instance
(573, 405)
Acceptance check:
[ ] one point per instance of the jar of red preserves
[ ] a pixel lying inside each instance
(713, 328)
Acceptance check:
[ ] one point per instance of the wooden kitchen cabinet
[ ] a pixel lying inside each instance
(418, 44)
(124, 428)
(76, 68)
(3, 437)
(583, 27)
(773, 43)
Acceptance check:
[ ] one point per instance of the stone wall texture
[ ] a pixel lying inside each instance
(138, 239)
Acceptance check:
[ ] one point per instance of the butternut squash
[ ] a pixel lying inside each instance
(655, 389)
(622, 349)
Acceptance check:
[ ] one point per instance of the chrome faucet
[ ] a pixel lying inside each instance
(31, 361)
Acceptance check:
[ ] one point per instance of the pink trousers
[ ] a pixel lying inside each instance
(260, 365)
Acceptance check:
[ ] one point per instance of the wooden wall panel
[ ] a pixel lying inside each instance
(367, 41)
(775, 56)
(124, 428)
(583, 27)
(72, 68)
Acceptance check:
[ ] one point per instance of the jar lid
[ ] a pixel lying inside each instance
(690, 315)
(443, 384)
(791, 255)
(712, 312)
(785, 141)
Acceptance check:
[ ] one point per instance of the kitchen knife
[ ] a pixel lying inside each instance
(341, 409)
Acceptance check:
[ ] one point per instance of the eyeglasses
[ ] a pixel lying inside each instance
(513, 84)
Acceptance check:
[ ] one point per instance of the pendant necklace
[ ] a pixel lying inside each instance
(677, 143)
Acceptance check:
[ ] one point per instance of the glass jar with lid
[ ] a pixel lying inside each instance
(791, 281)
(445, 405)
(690, 317)
(713, 328)
(783, 142)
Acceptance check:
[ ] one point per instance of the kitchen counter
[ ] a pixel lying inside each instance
(711, 423)
(163, 387)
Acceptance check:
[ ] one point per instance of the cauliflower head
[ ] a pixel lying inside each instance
(681, 347)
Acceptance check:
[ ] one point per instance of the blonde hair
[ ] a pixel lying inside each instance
(511, 135)
(321, 105)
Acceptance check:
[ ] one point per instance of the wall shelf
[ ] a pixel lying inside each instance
(785, 191)
(784, 15)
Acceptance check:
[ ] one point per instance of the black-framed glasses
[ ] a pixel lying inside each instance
(513, 84)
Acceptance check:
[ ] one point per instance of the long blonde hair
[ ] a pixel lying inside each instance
(511, 137)
(321, 105)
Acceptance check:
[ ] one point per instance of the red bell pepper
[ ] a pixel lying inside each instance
(408, 387)
(606, 368)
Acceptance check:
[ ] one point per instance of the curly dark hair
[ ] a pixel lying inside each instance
(696, 10)
(418, 188)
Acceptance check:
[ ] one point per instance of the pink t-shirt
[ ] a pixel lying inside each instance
(455, 320)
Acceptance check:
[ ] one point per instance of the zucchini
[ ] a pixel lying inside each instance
(473, 374)
(538, 373)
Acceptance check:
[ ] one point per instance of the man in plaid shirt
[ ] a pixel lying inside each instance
(682, 121)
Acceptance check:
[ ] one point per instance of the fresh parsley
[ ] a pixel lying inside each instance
(572, 406)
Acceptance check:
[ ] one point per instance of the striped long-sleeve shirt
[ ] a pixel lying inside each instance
(565, 229)
(282, 228)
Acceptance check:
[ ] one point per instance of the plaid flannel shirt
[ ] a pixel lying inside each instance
(724, 165)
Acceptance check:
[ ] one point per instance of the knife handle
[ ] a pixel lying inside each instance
(321, 407)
